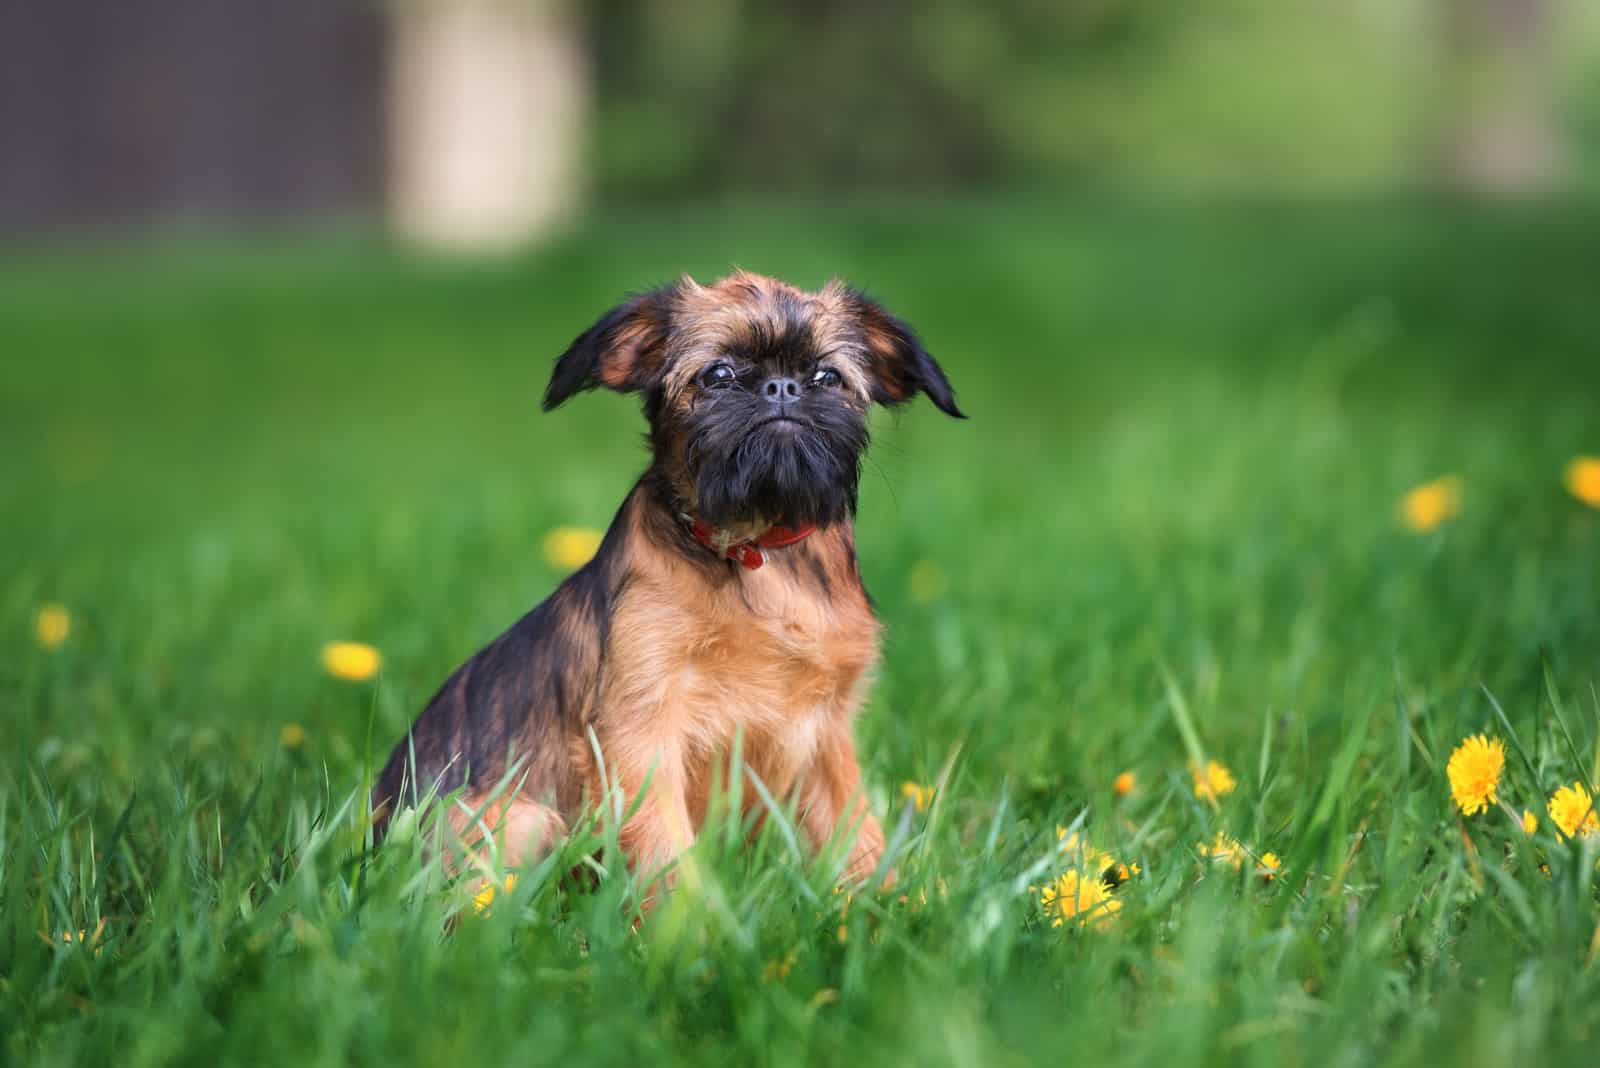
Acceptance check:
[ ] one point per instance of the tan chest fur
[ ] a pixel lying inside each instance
(775, 657)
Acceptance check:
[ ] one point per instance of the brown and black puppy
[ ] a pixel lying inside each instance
(724, 598)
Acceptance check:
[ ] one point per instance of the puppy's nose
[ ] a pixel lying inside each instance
(781, 390)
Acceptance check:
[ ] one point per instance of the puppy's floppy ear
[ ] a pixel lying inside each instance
(624, 351)
(899, 365)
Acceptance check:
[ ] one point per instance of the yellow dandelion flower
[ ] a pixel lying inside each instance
(1269, 867)
(1474, 770)
(485, 897)
(1530, 822)
(83, 937)
(1091, 861)
(1432, 503)
(1582, 479)
(1085, 900)
(1124, 784)
(570, 548)
(1223, 849)
(52, 625)
(926, 582)
(293, 736)
(351, 661)
(778, 969)
(1213, 781)
(1572, 809)
(919, 795)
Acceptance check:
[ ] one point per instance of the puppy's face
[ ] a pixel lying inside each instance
(757, 393)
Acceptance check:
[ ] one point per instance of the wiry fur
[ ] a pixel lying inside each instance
(662, 648)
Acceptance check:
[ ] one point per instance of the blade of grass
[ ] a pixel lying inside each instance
(1511, 732)
(1343, 763)
(1402, 724)
(1180, 715)
(1561, 720)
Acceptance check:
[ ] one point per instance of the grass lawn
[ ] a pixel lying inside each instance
(1169, 529)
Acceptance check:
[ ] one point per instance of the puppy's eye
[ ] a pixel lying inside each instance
(718, 374)
(826, 376)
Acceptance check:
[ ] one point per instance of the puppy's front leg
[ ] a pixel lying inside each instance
(659, 829)
(833, 801)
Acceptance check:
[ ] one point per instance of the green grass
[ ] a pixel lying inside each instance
(1174, 502)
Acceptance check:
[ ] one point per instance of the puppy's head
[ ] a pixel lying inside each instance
(757, 393)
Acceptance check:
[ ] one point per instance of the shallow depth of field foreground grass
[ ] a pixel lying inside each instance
(1171, 529)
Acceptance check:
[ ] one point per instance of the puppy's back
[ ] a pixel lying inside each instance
(521, 697)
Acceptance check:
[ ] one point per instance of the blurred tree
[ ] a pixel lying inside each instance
(727, 94)
(1506, 132)
(487, 102)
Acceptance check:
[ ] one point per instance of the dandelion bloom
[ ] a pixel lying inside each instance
(1582, 479)
(1572, 809)
(778, 969)
(1112, 872)
(483, 898)
(1432, 503)
(1073, 897)
(52, 625)
(1474, 769)
(1530, 822)
(571, 547)
(293, 736)
(351, 661)
(1213, 781)
(1118, 874)
(1223, 849)
(1124, 784)
(919, 795)
(926, 582)
(1269, 867)
(85, 937)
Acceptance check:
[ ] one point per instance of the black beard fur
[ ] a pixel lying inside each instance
(787, 476)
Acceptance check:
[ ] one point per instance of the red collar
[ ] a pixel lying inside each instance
(748, 553)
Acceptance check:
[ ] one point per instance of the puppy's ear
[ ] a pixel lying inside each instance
(899, 365)
(624, 351)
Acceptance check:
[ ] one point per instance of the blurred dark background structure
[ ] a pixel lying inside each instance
(485, 123)
(211, 110)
